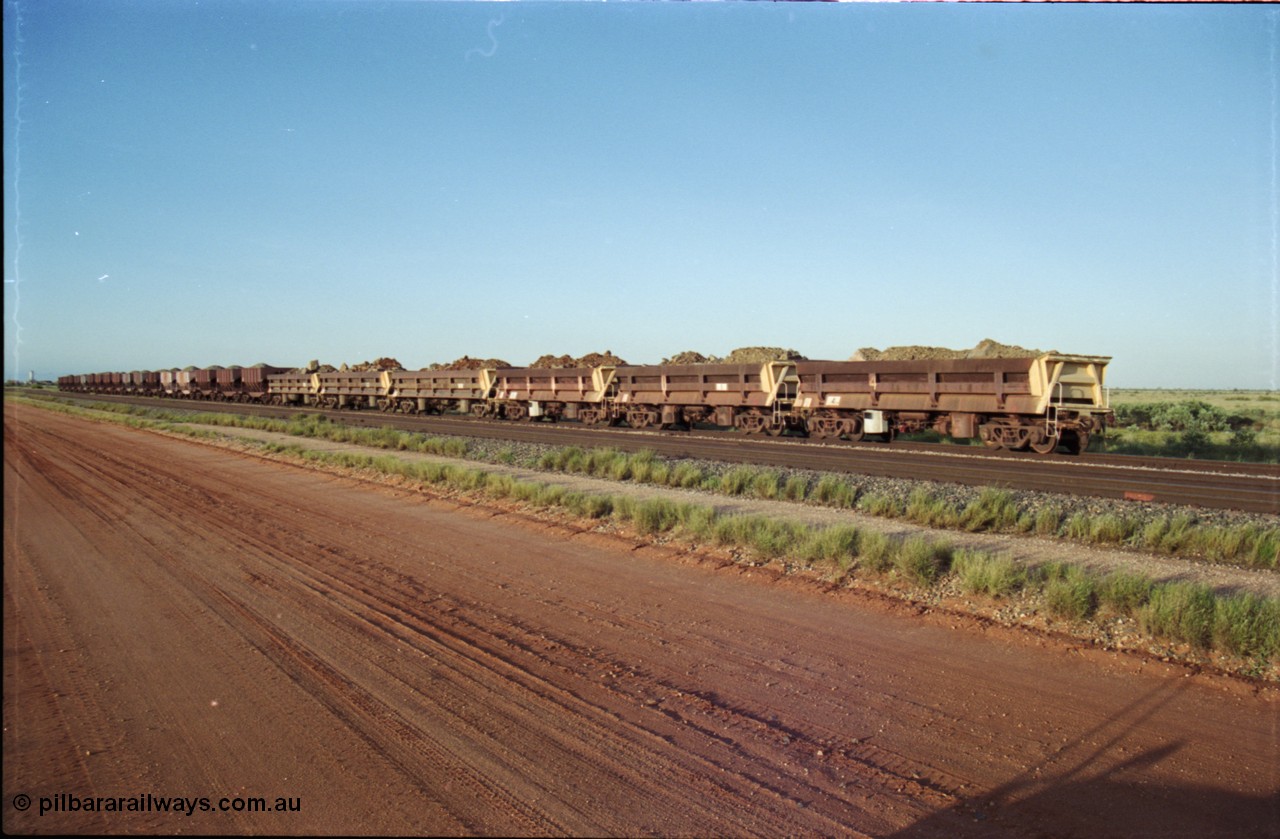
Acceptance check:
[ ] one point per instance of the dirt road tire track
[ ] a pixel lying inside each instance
(211, 624)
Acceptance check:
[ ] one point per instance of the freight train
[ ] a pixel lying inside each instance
(1039, 403)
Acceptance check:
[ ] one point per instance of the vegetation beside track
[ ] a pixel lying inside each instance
(1180, 534)
(1243, 625)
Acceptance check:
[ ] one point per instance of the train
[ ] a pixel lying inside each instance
(1039, 403)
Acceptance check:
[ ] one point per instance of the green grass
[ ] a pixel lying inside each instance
(923, 560)
(831, 491)
(1070, 591)
(1180, 611)
(996, 575)
(1124, 592)
(993, 510)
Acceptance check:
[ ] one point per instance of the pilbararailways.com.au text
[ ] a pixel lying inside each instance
(147, 803)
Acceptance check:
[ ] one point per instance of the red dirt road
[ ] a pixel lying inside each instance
(213, 625)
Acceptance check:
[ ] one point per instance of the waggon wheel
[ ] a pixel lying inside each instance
(853, 431)
(1075, 442)
(1042, 443)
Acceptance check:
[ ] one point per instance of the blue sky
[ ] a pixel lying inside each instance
(236, 182)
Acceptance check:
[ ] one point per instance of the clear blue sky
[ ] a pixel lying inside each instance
(235, 182)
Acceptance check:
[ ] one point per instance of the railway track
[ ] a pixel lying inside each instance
(1246, 487)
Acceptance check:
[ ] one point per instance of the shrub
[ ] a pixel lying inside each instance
(834, 492)
(641, 466)
(879, 504)
(685, 475)
(1124, 592)
(1079, 527)
(736, 480)
(922, 560)
(697, 521)
(1248, 625)
(765, 484)
(655, 515)
(1181, 611)
(1048, 520)
(772, 538)
(928, 509)
(796, 488)
(1110, 529)
(549, 495)
(598, 506)
(1070, 593)
(994, 509)
(837, 545)
(997, 575)
(876, 551)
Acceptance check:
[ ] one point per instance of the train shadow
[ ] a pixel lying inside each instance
(1117, 804)
(1100, 785)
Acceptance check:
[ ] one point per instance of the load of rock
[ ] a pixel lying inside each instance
(759, 355)
(548, 362)
(689, 357)
(742, 355)
(986, 348)
(469, 363)
(597, 359)
(315, 366)
(377, 364)
(593, 359)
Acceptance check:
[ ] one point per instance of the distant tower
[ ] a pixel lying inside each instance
(31, 377)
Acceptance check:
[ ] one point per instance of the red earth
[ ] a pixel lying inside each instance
(183, 621)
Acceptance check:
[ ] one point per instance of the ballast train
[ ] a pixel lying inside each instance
(1029, 402)
(1039, 403)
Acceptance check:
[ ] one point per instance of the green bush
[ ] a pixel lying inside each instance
(655, 515)
(1048, 520)
(1124, 592)
(737, 480)
(997, 575)
(928, 509)
(765, 484)
(833, 492)
(879, 504)
(1070, 592)
(1180, 611)
(796, 488)
(993, 509)
(836, 545)
(876, 551)
(686, 476)
(1109, 528)
(1248, 625)
(922, 560)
